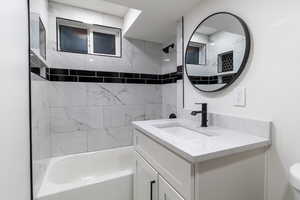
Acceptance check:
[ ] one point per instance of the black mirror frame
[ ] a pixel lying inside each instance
(246, 54)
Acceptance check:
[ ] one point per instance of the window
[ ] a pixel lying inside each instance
(196, 54)
(73, 39)
(79, 37)
(104, 43)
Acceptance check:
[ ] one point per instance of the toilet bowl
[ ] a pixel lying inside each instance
(295, 180)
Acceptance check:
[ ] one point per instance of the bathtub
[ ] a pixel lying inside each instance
(106, 175)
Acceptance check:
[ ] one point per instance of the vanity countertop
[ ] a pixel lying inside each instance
(207, 143)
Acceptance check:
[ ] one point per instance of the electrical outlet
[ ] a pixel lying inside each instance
(240, 97)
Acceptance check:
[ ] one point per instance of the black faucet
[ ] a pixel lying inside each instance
(204, 114)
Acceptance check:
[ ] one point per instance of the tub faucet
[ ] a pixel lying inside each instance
(203, 113)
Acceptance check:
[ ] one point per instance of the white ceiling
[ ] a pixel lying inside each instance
(221, 22)
(157, 22)
(97, 5)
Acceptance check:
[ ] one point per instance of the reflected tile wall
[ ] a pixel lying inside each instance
(90, 116)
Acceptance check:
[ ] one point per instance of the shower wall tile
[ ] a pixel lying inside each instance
(153, 111)
(41, 137)
(107, 138)
(69, 143)
(65, 94)
(102, 112)
(69, 119)
(169, 99)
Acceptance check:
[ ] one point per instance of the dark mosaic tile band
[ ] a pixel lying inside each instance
(72, 75)
(206, 80)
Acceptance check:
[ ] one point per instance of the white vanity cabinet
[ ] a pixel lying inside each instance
(145, 180)
(166, 191)
(240, 176)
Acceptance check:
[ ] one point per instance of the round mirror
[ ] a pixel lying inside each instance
(217, 52)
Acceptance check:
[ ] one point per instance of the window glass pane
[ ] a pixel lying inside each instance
(192, 56)
(73, 39)
(104, 43)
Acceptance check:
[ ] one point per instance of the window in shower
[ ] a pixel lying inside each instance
(73, 39)
(79, 37)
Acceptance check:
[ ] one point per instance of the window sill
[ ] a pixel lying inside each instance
(92, 54)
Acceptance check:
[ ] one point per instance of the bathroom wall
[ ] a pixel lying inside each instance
(14, 137)
(169, 91)
(41, 137)
(89, 116)
(270, 78)
(96, 116)
(137, 56)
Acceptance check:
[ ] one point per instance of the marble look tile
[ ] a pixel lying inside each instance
(69, 143)
(114, 116)
(67, 94)
(69, 119)
(107, 138)
(167, 109)
(134, 113)
(152, 111)
(105, 94)
(122, 94)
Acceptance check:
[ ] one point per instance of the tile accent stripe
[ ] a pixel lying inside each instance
(73, 75)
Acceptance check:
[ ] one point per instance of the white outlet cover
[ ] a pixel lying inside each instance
(240, 97)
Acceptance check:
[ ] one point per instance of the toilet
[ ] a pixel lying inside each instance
(295, 180)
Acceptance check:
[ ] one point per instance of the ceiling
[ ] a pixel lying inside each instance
(221, 22)
(157, 22)
(97, 5)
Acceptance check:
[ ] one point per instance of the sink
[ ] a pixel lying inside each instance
(182, 131)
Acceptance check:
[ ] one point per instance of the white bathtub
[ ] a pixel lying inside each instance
(106, 175)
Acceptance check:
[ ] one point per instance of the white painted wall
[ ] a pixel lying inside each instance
(14, 136)
(271, 78)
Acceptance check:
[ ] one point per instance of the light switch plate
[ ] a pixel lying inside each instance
(240, 97)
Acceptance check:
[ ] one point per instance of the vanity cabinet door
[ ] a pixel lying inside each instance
(145, 181)
(167, 192)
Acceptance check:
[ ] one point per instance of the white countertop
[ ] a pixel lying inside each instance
(196, 148)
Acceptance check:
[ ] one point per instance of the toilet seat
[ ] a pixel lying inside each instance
(295, 176)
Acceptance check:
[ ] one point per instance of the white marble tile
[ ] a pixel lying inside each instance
(167, 109)
(105, 94)
(134, 113)
(152, 111)
(69, 143)
(114, 116)
(107, 138)
(69, 119)
(67, 94)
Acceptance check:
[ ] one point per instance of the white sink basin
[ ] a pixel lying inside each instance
(182, 131)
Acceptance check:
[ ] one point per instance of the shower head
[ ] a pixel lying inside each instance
(167, 48)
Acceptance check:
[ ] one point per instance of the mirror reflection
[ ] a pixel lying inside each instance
(217, 52)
